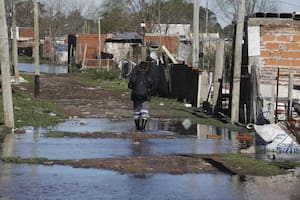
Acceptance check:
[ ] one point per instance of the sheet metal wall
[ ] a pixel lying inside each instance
(183, 83)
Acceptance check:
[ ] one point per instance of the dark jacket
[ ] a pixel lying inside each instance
(141, 84)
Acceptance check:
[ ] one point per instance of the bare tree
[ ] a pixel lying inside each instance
(229, 8)
(124, 15)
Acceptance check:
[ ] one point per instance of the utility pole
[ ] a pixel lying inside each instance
(8, 113)
(196, 34)
(14, 43)
(206, 18)
(218, 74)
(237, 63)
(36, 49)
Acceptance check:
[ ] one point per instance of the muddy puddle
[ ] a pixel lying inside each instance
(63, 182)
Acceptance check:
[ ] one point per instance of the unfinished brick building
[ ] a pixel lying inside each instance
(273, 46)
(279, 46)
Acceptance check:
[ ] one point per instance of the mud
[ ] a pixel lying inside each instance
(171, 164)
(132, 135)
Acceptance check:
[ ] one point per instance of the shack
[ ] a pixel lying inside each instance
(271, 54)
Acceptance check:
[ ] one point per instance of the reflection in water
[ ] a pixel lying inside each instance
(195, 140)
(8, 145)
(59, 182)
(44, 68)
(141, 149)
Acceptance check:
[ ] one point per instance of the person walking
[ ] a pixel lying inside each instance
(141, 85)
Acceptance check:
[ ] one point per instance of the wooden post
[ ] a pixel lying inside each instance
(277, 95)
(237, 63)
(84, 57)
(218, 72)
(8, 113)
(14, 43)
(107, 65)
(99, 44)
(80, 56)
(253, 94)
(272, 108)
(71, 59)
(199, 90)
(290, 96)
(36, 49)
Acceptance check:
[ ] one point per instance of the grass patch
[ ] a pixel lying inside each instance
(105, 79)
(30, 111)
(19, 160)
(289, 164)
(245, 165)
(29, 78)
(54, 134)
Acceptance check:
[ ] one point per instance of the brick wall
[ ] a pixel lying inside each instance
(170, 42)
(280, 48)
(26, 32)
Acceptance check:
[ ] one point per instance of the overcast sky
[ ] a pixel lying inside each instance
(283, 6)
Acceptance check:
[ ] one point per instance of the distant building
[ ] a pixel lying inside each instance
(25, 40)
(25, 33)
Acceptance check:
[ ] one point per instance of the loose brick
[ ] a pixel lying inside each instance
(272, 45)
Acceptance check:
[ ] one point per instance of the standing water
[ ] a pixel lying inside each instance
(61, 182)
(44, 68)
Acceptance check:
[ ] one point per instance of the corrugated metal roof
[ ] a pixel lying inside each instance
(125, 37)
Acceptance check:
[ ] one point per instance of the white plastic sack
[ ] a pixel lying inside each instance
(268, 132)
(279, 140)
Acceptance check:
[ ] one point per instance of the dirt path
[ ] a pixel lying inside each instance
(172, 164)
(81, 100)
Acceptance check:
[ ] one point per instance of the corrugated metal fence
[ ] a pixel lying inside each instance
(182, 83)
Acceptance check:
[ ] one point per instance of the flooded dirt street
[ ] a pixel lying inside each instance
(73, 178)
(96, 158)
